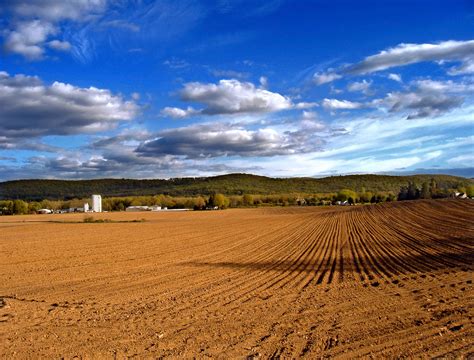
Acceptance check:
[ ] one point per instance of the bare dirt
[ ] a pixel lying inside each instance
(392, 280)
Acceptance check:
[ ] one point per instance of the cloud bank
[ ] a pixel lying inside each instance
(29, 108)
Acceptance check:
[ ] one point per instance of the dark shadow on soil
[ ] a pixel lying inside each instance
(389, 265)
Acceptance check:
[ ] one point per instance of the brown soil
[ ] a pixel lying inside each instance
(392, 280)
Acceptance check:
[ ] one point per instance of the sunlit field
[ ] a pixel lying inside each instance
(389, 280)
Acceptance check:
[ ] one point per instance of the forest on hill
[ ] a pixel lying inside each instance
(232, 184)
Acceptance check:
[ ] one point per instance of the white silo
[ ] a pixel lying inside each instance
(96, 203)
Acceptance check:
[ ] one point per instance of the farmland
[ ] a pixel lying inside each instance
(387, 280)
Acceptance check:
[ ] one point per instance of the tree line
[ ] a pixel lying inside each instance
(232, 184)
(431, 189)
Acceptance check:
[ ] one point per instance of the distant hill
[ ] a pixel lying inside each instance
(232, 184)
(467, 172)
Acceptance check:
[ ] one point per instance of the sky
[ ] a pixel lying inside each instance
(178, 88)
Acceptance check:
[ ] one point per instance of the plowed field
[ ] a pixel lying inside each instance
(391, 280)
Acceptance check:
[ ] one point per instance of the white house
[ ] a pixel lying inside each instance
(44, 211)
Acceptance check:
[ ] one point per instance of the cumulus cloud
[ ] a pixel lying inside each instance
(323, 78)
(361, 86)
(310, 129)
(428, 85)
(306, 105)
(96, 166)
(233, 96)
(120, 157)
(126, 165)
(423, 98)
(334, 104)
(395, 77)
(225, 139)
(215, 140)
(12, 144)
(34, 22)
(28, 38)
(177, 113)
(421, 105)
(29, 108)
(59, 45)
(467, 67)
(126, 138)
(405, 54)
(427, 98)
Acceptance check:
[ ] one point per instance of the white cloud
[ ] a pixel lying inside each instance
(59, 45)
(375, 145)
(216, 140)
(36, 21)
(362, 86)
(54, 10)
(449, 86)
(233, 96)
(467, 67)
(305, 105)
(426, 98)
(335, 104)
(418, 104)
(462, 160)
(29, 108)
(323, 78)
(177, 113)
(28, 38)
(395, 77)
(311, 123)
(405, 54)
(212, 140)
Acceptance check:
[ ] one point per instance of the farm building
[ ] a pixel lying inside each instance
(459, 195)
(96, 203)
(137, 208)
(44, 211)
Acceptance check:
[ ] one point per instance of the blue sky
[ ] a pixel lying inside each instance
(159, 89)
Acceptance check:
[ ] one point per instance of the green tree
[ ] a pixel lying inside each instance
(345, 194)
(20, 207)
(365, 196)
(425, 191)
(470, 190)
(6, 207)
(218, 200)
(433, 187)
(33, 207)
(403, 193)
(248, 200)
(199, 203)
(412, 191)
